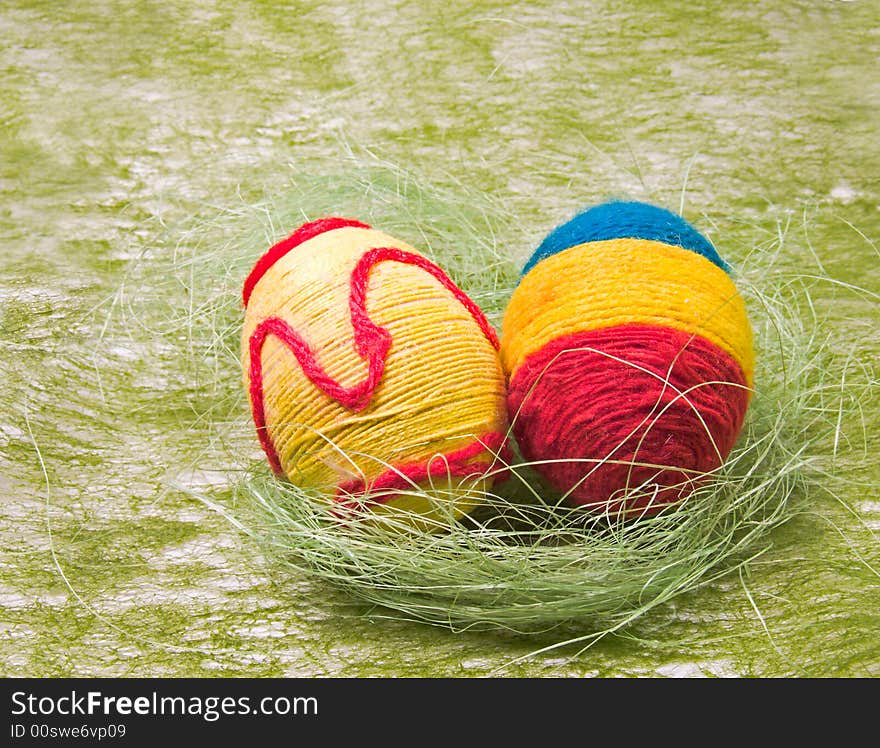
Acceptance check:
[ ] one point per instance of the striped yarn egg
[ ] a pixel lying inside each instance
(369, 371)
(629, 358)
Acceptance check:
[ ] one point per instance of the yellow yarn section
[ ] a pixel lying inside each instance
(442, 388)
(622, 281)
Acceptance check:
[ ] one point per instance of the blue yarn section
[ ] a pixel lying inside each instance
(625, 220)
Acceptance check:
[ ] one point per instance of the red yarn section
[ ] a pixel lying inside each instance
(454, 464)
(302, 234)
(371, 342)
(662, 406)
(359, 277)
(377, 342)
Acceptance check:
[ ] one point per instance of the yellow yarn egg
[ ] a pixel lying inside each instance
(372, 377)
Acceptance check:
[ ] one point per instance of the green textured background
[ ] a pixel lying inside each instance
(120, 119)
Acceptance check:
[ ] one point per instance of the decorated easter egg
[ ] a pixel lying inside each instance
(372, 377)
(629, 356)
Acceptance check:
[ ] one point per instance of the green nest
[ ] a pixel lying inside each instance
(523, 561)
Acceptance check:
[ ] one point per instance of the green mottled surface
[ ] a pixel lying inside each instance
(119, 120)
